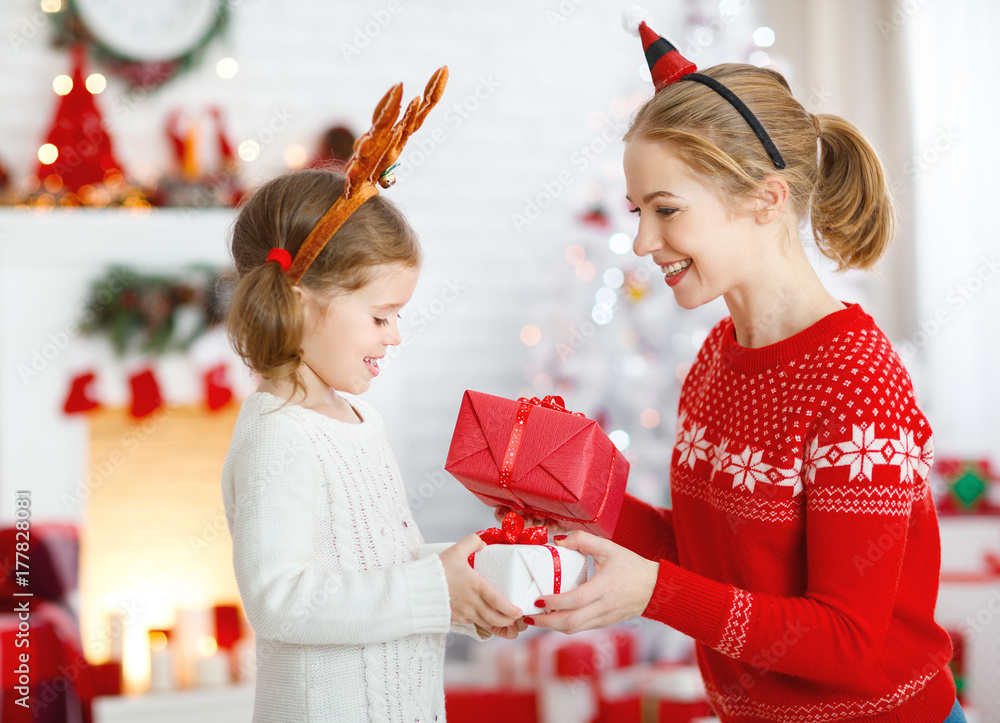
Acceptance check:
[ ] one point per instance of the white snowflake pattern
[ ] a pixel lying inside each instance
(747, 468)
(863, 451)
(906, 453)
(692, 445)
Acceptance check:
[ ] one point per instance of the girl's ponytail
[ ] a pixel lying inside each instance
(852, 213)
(265, 323)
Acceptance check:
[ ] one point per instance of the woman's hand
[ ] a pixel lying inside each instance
(473, 600)
(554, 528)
(620, 589)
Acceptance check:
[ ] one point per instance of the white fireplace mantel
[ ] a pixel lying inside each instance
(48, 261)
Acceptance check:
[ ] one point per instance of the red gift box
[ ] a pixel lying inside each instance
(537, 457)
(489, 705)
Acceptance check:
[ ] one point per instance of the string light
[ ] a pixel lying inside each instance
(96, 83)
(249, 150)
(48, 154)
(62, 84)
(227, 68)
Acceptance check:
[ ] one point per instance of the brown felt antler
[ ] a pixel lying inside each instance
(374, 154)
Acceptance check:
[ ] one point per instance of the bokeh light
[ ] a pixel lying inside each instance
(574, 254)
(620, 243)
(227, 68)
(96, 83)
(530, 335)
(62, 84)
(48, 154)
(649, 418)
(620, 439)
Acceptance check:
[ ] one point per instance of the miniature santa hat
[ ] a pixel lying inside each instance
(668, 66)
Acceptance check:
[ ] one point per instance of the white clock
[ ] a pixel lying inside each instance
(149, 30)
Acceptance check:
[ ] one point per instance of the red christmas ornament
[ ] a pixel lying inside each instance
(78, 400)
(146, 397)
(84, 147)
(217, 390)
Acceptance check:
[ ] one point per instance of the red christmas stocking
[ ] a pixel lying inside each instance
(78, 400)
(217, 390)
(146, 397)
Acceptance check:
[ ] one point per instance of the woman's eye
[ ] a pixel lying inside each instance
(634, 209)
(666, 211)
(381, 322)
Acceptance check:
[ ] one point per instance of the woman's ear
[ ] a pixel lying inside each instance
(772, 199)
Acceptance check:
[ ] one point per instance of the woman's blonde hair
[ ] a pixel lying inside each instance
(845, 194)
(264, 319)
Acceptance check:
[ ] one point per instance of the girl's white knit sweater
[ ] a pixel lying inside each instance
(350, 624)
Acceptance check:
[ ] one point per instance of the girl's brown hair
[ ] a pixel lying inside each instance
(845, 194)
(265, 319)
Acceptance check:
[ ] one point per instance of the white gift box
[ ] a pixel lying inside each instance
(524, 573)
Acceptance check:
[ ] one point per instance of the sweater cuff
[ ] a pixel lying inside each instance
(690, 603)
(430, 605)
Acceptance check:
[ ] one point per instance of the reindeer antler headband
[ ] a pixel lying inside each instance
(667, 66)
(374, 155)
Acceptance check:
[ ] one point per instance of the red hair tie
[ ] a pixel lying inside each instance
(282, 257)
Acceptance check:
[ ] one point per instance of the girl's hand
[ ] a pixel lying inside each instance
(473, 600)
(620, 589)
(511, 631)
(554, 527)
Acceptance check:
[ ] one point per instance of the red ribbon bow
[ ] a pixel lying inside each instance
(513, 532)
(550, 402)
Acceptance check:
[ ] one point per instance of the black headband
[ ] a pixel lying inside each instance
(747, 114)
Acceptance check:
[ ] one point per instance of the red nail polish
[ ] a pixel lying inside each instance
(560, 537)
(529, 621)
(539, 603)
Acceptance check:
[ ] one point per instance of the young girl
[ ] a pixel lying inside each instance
(350, 624)
(801, 552)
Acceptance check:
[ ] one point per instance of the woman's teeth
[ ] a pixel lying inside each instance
(676, 267)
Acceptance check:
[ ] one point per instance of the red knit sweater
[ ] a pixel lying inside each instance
(802, 549)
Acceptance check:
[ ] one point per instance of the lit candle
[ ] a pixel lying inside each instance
(162, 675)
(213, 666)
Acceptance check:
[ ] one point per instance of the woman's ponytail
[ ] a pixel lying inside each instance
(852, 213)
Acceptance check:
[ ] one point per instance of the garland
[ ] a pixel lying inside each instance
(144, 312)
(70, 29)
